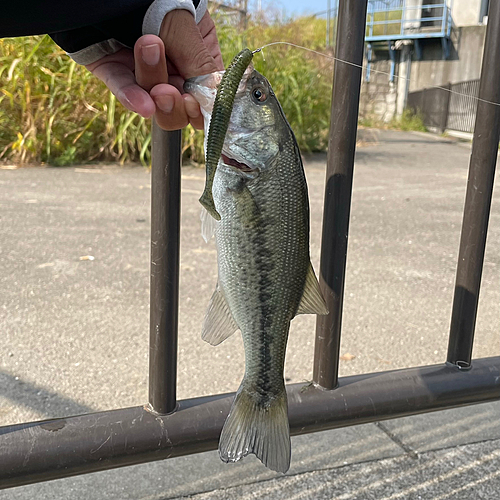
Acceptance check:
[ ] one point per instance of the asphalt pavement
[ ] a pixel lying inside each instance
(74, 300)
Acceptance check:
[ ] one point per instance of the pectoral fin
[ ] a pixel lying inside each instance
(219, 323)
(312, 301)
(208, 225)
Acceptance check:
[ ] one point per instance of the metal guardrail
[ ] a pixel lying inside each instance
(164, 428)
(432, 105)
(443, 110)
(462, 107)
(388, 20)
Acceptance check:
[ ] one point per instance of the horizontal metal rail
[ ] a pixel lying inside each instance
(381, 38)
(399, 21)
(375, 10)
(52, 449)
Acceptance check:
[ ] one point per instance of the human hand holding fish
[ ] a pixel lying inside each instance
(257, 189)
(149, 79)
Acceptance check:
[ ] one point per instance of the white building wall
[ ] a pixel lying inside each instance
(466, 12)
(464, 63)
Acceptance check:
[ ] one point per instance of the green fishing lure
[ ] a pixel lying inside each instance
(221, 114)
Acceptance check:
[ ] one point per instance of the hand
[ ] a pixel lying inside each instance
(156, 87)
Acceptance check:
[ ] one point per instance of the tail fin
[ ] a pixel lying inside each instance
(262, 430)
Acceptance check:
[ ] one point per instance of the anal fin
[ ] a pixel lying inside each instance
(312, 301)
(219, 323)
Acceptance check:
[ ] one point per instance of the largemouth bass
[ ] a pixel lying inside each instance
(265, 276)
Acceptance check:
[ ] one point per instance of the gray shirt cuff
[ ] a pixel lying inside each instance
(160, 8)
(94, 52)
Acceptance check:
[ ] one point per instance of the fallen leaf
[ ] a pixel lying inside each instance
(384, 361)
(46, 264)
(204, 250)
(88, 170)
(347, 357)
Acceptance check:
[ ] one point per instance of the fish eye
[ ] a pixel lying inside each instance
(259, 95)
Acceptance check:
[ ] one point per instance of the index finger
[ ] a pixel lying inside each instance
(121, 82)
(150, 62)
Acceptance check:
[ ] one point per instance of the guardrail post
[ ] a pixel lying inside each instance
(339, 172)
(164, 298)
(446, 107)
(478, 199)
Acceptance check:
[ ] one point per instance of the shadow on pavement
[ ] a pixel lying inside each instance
(42, 400)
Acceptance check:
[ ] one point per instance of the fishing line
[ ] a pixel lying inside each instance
(371, 69)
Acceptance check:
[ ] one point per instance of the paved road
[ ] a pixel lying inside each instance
(74, 332)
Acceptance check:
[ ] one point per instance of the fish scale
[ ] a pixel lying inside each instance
(272, 259)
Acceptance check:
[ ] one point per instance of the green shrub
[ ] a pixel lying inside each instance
(408, 121)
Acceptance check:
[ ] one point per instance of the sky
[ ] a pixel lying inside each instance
(293, 7)
(308, 6)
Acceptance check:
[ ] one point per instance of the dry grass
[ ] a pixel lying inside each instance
(53, 111)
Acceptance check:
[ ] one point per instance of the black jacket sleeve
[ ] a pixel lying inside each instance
(76, 25)
(126, 29)
(36, 17)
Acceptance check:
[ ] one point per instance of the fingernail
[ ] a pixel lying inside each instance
(126, 101)
(165, 103)
(151, 54)
(192, 107)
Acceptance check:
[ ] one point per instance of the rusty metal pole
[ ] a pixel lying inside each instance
(478, 199)
(164, 299)
(339, 172)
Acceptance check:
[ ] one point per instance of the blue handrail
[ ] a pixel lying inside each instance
(411, 24)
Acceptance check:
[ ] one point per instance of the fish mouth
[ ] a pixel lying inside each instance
(236, 164)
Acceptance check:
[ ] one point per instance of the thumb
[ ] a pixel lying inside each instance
(184, 45)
